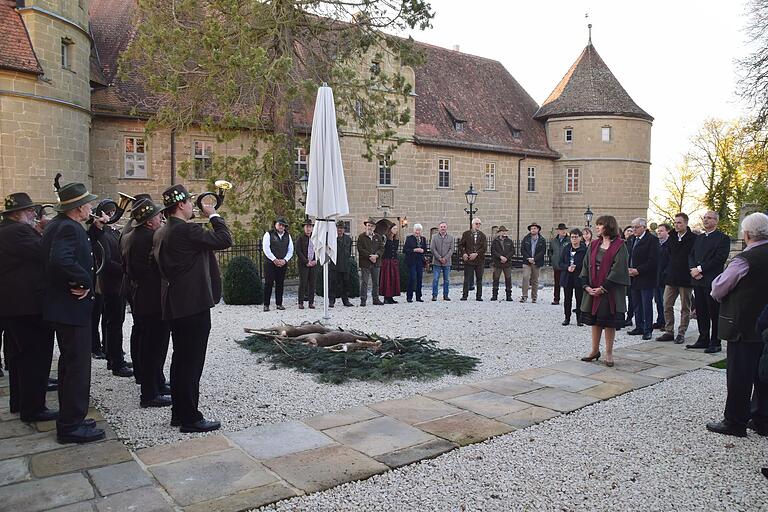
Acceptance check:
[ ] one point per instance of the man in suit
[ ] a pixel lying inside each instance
(678, 281)
(502, 252)
(370, 249)
(277, 246)
(109, 284)
(532, 248)
(629, 240)
(339, 271)
(662, 233)
(472, 247)
(706, 261)
(556, 246)
(144, 286)
(643, 269)
(21, 272)
(67, 305)
(191, 286)
(741, 292)
(305, 252)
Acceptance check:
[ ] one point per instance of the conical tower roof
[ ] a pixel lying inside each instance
(589, 88)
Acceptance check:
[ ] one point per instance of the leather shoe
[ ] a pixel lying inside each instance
(52, 386)
(727, 428)
(99, 355)
(378, 303)
(698, 345)
(158, 401)
(419, 300)
(566, 322)
(44, 415)
(647, 336)
(348, 304)
(635, 332)
(679, 339)
(201, 426)
(760, 428)
(165, 389)
(123, 371)
(301, 306)
(667, 336)
(89, 422)
(712, 349)
(463, 298)
(311, 306)
(331, 304)
(658, 325)
(82, 434)
(479, 299)
(446, 298)
(280, 307)
(434, 299)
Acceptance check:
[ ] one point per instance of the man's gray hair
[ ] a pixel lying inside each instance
(756, 225)
(476, 219)
(418, 226)
(640, 222)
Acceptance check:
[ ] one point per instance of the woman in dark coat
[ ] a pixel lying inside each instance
(389, 280)
(571, 263)
(414, 248)
(605, 278)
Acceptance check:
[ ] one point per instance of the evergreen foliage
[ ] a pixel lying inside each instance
(354, 280)
(398, 359)
(242, 283)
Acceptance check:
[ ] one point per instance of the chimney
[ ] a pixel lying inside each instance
(456, 48)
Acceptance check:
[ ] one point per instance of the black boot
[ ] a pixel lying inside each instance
(495, 294)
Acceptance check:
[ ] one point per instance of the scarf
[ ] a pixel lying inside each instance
(598, 277)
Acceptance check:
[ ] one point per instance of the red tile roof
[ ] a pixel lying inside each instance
(16, 50)
(589, 88)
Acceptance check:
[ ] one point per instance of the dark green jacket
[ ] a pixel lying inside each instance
(343, 254)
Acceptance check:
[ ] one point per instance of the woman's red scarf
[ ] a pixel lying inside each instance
(597, 278)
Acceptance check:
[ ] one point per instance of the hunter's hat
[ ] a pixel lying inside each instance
(18, 201)
(144, 210)
(73, 195)
(175, 194)
(534, 224)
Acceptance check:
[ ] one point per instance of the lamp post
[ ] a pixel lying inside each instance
(471, 196)
(303, 185)
(588, 217)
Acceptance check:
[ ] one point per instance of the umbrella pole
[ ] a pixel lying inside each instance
(326, 316)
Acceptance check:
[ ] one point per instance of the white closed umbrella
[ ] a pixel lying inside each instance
(326, 190)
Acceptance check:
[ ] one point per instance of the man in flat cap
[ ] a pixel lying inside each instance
(339, 271)
(29, 337)
(307, 262)
(277, 246)
(532, 248)
(190, 287)
(144, 285)
(67, 305)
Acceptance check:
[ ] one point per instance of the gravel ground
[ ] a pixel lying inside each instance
(241, 390)
(646, 450)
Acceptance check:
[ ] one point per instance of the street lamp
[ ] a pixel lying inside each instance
(471, 196)
(588, 217)
(303, 184)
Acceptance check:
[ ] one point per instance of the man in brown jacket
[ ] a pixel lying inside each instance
(502, 251)
(472, 247)
(370, 248)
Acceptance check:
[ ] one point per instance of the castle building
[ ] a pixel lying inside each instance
(64, 109)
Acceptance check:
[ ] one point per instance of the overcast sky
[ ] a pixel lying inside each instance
(674, 57)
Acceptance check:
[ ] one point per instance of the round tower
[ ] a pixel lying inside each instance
(45, 102)
(604, 139)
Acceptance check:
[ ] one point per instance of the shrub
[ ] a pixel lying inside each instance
(242, 282)
(354, 280)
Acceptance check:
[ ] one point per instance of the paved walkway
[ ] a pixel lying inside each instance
(260, 465)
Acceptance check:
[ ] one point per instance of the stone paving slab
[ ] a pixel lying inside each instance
(557, 399)
(119, 477)
(428, 450)
(79, 457)
(466, 428)
(82, 506)
(633, 380)
(183, 449)
(313, 471)
(416, 409)
(379, 436)
(528, 416)
(662, 372)
(568, 382)
(27, 445)
(673, 362)
(488, 404)
(252, 498)
(607, 390)
(15, 428)
(580, 368)
(145, 499)
(634, 355)
(14, 470)
(342, 417)
(510, 385)
(278, 439)
(45, 493)
(532, 373)
(630, 365)
(211, 476)
(451, 392)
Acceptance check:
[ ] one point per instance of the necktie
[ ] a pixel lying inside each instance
(310, 250)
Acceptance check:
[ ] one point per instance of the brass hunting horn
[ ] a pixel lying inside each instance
(221, 187)
(123, 201)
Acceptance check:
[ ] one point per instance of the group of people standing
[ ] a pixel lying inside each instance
(160, 263)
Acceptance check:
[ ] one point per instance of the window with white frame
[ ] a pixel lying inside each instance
(385, 171)
(490, 176)
(300, 164)
(203, 153)
(569, 135)
(66, 52)
(606, 134)
(531, 179)
(572, 176)
(134, 158)
(444, 173)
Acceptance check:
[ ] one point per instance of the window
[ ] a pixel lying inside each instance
(66, 52)
(300, 164)
(385, 171)
(134, 158)
(444, 173)
(490, 176)
(459, 125)
(606, 134)
(572, 180)
(203, 159)
(531, 179)
(569, 135)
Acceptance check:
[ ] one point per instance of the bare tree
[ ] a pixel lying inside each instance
(679, 194)
(753, 86)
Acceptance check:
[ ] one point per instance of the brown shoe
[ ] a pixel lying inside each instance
(301, 305)
(311, 306)
(667, 336)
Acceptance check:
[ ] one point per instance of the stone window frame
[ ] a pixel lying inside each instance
(603, 133)
(203, 157)
(568, 134)
(489, 176)
(573, 180)
(530, 177)
(66, 53)
(444, 171)
(134, 156)
(301, 163)
(385, 171)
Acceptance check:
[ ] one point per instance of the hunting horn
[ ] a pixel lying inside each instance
(123, 201)
(221, 187)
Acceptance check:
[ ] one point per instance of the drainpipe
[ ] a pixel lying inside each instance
(173, 157)
(519, 180)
